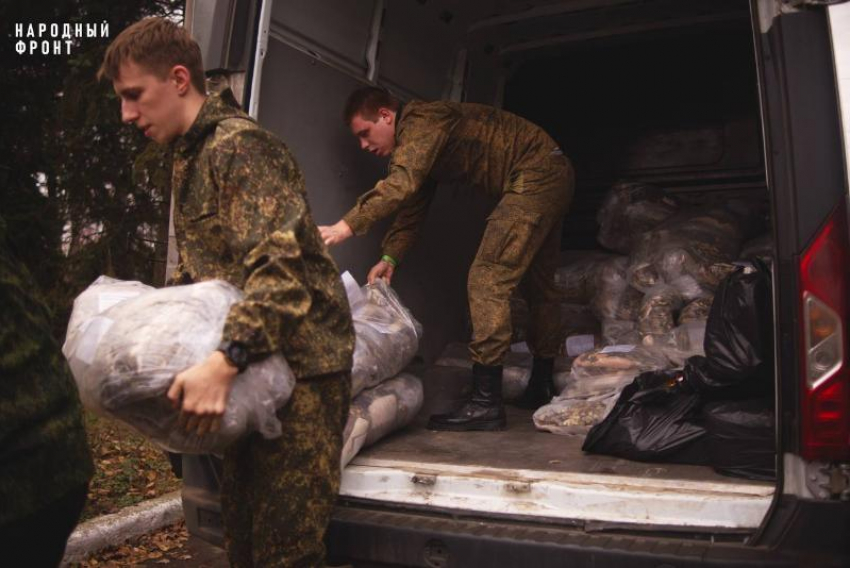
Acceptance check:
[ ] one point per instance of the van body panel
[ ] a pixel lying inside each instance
(404, 501)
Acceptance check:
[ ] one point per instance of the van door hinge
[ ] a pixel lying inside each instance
(829, 481)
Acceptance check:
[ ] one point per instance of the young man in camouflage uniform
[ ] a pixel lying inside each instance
(45, 464)
(506, 157)
(241, 215)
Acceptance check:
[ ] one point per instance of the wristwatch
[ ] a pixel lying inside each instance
(235, 353)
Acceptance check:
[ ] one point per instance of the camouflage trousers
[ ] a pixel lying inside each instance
(520, 248)
(277, 495)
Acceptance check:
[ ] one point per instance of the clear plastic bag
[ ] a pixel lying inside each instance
(658, 310)
(386, 334)
(630, 209)
(699, 244)
(380, 410)
(678, 345)
(620, 332)
(602, 371)
(615, 298)
(573, 416)
(696, 310)
(577, 280)
(125, 358)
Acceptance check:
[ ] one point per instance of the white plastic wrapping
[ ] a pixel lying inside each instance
(602, 371)
(630, 209)
(380, 410)
(124, 359)
(574, 416)
(699, 244)
(615, 298)
(386, 334)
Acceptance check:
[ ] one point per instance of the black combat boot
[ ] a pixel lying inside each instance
(483, 410)
(540, 389)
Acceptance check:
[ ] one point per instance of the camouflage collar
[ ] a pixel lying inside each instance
(217, 107)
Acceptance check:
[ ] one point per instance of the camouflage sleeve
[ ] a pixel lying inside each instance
(263, 211)
(405, 228)
(179, 276)
(422, 136)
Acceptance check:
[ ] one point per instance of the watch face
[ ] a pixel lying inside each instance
(236, 354)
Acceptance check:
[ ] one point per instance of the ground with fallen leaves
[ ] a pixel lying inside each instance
(171, 546)
(128, 468)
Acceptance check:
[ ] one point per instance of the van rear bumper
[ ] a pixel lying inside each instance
(375, 536)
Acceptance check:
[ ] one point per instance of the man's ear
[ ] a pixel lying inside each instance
(181, 78)
(387, 115)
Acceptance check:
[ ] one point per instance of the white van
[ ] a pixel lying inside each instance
(711, 100)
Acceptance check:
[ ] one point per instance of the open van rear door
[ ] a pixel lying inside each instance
(806, 171)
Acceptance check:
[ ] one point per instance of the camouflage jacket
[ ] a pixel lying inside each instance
(241, 215)
(43, 448)
(459, 143)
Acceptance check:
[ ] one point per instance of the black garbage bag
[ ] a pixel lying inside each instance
(738, 359)
(741, 438)
(653, 420)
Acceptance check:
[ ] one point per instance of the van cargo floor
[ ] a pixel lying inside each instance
(524, 472)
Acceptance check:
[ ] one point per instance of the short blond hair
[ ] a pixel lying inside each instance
(157, 45)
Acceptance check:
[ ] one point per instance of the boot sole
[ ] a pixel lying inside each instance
(488, 426)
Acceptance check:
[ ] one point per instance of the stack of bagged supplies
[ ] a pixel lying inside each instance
(672, 301)
(126, 342)
(384, 399)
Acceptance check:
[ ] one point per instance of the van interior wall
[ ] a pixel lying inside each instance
(678, 108)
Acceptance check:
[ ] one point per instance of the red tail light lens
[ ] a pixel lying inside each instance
(825, 408)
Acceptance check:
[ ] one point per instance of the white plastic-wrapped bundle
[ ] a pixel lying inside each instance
(125, 358)
(516, 368)
(620, 332)
(699, 244)
(577, 281)
(574, 416)
(658, 310)
(380, 410)
(615, 299)
(603, 371)
(386, 334)
(630, 209)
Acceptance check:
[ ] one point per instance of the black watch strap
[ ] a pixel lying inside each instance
(236, 354)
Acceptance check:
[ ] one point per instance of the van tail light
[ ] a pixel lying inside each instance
(824, 286)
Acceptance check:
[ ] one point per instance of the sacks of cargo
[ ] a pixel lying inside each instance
(380, 410)
(386, 334)
(652, 420)
(573, 416)
(629, 210)
(615, 299)
(718, 410)
(607, 370)
(124, 359)
(696, 310)
(596, 379)
(577, 279)
(738, 344)
(741, 437)
(699, 244)
(658, 309)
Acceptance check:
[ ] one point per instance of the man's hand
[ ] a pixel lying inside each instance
(381, 270)
(200, 392)
(336, 233)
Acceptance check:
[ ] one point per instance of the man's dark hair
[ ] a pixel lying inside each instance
(366, 101)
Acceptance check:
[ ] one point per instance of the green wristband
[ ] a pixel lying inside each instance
(390, 260)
